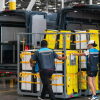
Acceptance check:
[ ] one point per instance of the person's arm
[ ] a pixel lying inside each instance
(32, 59)
(79, 54)
(31, 62)
(59, 57)
(62, 58)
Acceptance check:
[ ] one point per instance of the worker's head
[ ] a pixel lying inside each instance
(44, 43)
(92, 44)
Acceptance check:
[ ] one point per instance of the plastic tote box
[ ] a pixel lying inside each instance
(71, 62)
(68, 40)
(72, 83)
(26, 81)
(38, 82)
(59, 63)
(57, 82)
(25, 59)
(83, 40)
(83, 80)
(51, 38)
(94, 36)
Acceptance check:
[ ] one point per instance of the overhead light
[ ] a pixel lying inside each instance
(19, 5)
(55, 11)
(38, 3)
(23, 8)
(82, 2)
(59, 4)
(98, 3)
(75, 11)
(40, 9)
(50, 6)
(75, 3)
(54, 8)
(37, 7)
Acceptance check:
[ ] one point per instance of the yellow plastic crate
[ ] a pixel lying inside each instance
(68, 39)
(83, 80)
(71, 68)
(72, 83)
(51, 39)
(95, 37)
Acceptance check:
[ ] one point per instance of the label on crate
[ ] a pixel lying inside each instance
(91, 36)
(68, 36)
(68, 58)
(54, 36)
(69, 78)
(22, 78)
(72, 57)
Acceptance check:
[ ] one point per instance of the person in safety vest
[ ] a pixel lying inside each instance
(45, 58)
(92, 69)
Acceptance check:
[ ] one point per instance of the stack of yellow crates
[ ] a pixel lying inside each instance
(72, 75)
(93, 36)
(71, 72)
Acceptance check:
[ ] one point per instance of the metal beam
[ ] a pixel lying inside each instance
(62, 3)
(31, 4)
(90, 2)
(46, 5)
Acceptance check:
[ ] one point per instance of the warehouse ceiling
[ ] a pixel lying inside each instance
(48, 5)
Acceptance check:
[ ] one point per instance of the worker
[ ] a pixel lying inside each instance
(45, 58)
(93, 59)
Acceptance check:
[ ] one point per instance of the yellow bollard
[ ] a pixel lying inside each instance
(12, 4)
(11, 83)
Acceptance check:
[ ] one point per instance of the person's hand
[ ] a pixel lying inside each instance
(73, 54)
(32, 65)
(65, 57)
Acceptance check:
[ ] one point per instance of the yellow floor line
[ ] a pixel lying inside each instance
(7, 91)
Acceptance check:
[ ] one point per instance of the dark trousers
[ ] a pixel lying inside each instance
(45, 75)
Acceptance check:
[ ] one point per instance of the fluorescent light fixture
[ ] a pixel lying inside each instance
(82, 2)
(75, 11)
(19, 5)
(40, 9)
(37, 7)
(50, 6)
(59, 4)
(54, 8)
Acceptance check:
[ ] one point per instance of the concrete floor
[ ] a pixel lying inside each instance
(11, 94)
(8, 93)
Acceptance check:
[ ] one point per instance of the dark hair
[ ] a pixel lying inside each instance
(44, 43)
(94, 44)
